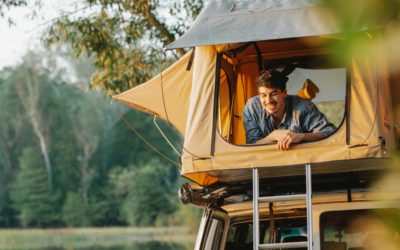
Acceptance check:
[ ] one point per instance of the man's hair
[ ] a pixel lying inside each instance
(272, 78)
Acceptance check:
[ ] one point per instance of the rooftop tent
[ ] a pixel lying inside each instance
(205, 102)
(362, 135)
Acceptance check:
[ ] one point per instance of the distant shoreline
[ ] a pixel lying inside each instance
(75, 238)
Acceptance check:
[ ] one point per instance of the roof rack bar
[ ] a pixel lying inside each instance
(283, 245)
(269, 199)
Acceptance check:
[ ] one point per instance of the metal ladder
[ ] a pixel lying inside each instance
(271, 199)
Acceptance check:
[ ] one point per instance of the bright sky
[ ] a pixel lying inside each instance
(16, 40)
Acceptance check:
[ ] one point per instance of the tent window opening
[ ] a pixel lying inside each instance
(316, 83)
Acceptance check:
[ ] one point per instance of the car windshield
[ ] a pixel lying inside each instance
(240, 235)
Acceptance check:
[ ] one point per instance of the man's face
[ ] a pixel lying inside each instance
(272, 99)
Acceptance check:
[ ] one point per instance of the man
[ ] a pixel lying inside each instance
(275, 116)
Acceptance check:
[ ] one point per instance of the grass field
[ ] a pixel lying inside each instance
(95, 238)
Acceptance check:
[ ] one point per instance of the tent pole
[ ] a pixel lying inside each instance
(219, 115)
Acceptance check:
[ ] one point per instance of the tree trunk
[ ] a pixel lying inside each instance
(87, 146)
(44, 152)
(85, 187)
(30, 103)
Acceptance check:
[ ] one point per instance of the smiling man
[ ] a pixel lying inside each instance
(275, 116)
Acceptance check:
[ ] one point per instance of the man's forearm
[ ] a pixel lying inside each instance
(271, 138)
(312, 136)
(265, 140)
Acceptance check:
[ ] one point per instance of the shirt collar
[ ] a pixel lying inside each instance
(287, 115)
(288, 112)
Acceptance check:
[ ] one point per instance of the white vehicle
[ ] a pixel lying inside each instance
(354, 217)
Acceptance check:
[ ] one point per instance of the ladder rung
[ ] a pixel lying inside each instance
(283, 245)
(296, 197)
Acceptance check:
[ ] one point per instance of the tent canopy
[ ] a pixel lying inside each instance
(177, 85)
(222, 22)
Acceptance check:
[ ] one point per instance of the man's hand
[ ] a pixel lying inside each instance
(277, 134)
(288, 137)
(282, 136)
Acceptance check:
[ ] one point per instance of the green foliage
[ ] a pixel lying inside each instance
(31, 194)
(125, 37)
(141, 190)
(333, 111)
(74, 212)
(185, 215)
(105, 175)
(8, 217)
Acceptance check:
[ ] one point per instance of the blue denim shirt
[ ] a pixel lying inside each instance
(301, 116)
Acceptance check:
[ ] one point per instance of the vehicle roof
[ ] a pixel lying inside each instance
(247, 206)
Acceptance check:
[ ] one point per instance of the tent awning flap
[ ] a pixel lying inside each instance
(223, 21)
(177, 82)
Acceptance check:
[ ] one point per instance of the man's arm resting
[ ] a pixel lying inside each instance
(276, 135)
(313, 136)
(287, 137)
(292, 137)
(265, 140)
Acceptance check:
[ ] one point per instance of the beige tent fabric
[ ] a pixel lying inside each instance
(372, 106)
(363, 92)
(200, 117)
(392, 36)
(224, 115)
(228, 46)
(385, 103)
(177, 82)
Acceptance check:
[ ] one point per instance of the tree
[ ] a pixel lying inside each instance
(142, 192)
(82, 157)
(74, 211)
(87, 131)
(10, 131)
(28, 83)
(31, 194)
(125, 37)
